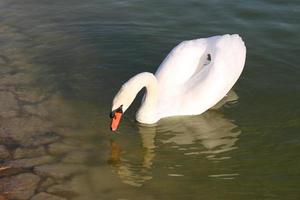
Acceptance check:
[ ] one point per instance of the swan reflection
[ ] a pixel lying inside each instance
(209, 134)
(130, 171)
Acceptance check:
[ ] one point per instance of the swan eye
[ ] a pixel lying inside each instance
(208, 57)
(112, 113)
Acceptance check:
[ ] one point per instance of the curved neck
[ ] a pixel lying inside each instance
(147, 111)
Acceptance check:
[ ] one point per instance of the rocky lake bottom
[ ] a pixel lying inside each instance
(38, 159)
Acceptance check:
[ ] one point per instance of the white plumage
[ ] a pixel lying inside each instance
(195, 76)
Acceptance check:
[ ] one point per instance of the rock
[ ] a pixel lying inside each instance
(8, 171)
(38, 110)
(41, 139)
(61, 148)
(29, 152)
(4, 60)
(59, 170)
(76, 157)
(29, 95)
(45, 184)
(65, 117)
(19, 187)
(59, 110)
(27, 131)
(46, 196)
(9, 106)
(15, 79)
(4, 153)
(30, 162)
(2, 197)
(74, 187)
(63, 189)
(5, 138)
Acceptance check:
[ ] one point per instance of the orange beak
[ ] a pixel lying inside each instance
(115, 121)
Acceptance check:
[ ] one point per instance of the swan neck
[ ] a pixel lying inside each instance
(150, 97)
(147, 112)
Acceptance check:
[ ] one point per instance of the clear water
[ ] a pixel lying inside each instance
(86, 49)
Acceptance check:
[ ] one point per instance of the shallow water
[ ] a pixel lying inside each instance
(84, 51)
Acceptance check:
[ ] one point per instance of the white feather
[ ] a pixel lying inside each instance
(184, 84)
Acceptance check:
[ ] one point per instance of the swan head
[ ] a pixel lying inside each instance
(116, 116)
(121, 102)
(127, 94)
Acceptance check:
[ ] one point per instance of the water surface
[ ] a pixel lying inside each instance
(85, 50)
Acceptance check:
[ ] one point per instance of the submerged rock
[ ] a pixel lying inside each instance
(30, 95)
(74, 187)
(61, 148)
(4, 60)
(29, 152)
(15, 80)
(6, 171)
(76, 157)
(27, 131)
(29, 162)
(9, 106)
(45, 184)
(46, 196)
(64, 189)
(4, 153)
(42, 139)
(20, 187)
(38, 110)
(58, 170)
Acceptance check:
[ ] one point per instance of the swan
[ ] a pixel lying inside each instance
(193, 77)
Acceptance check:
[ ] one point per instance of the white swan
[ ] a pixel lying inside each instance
(195, 76)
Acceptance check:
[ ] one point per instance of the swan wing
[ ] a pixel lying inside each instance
(177, 68)
(187, 85)
(181, 63)
(209, 85)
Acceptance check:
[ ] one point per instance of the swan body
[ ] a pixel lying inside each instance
(194, 76)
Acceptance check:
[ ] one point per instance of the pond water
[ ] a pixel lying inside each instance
(83, 51)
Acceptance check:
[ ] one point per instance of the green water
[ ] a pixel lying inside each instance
(85, 50)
